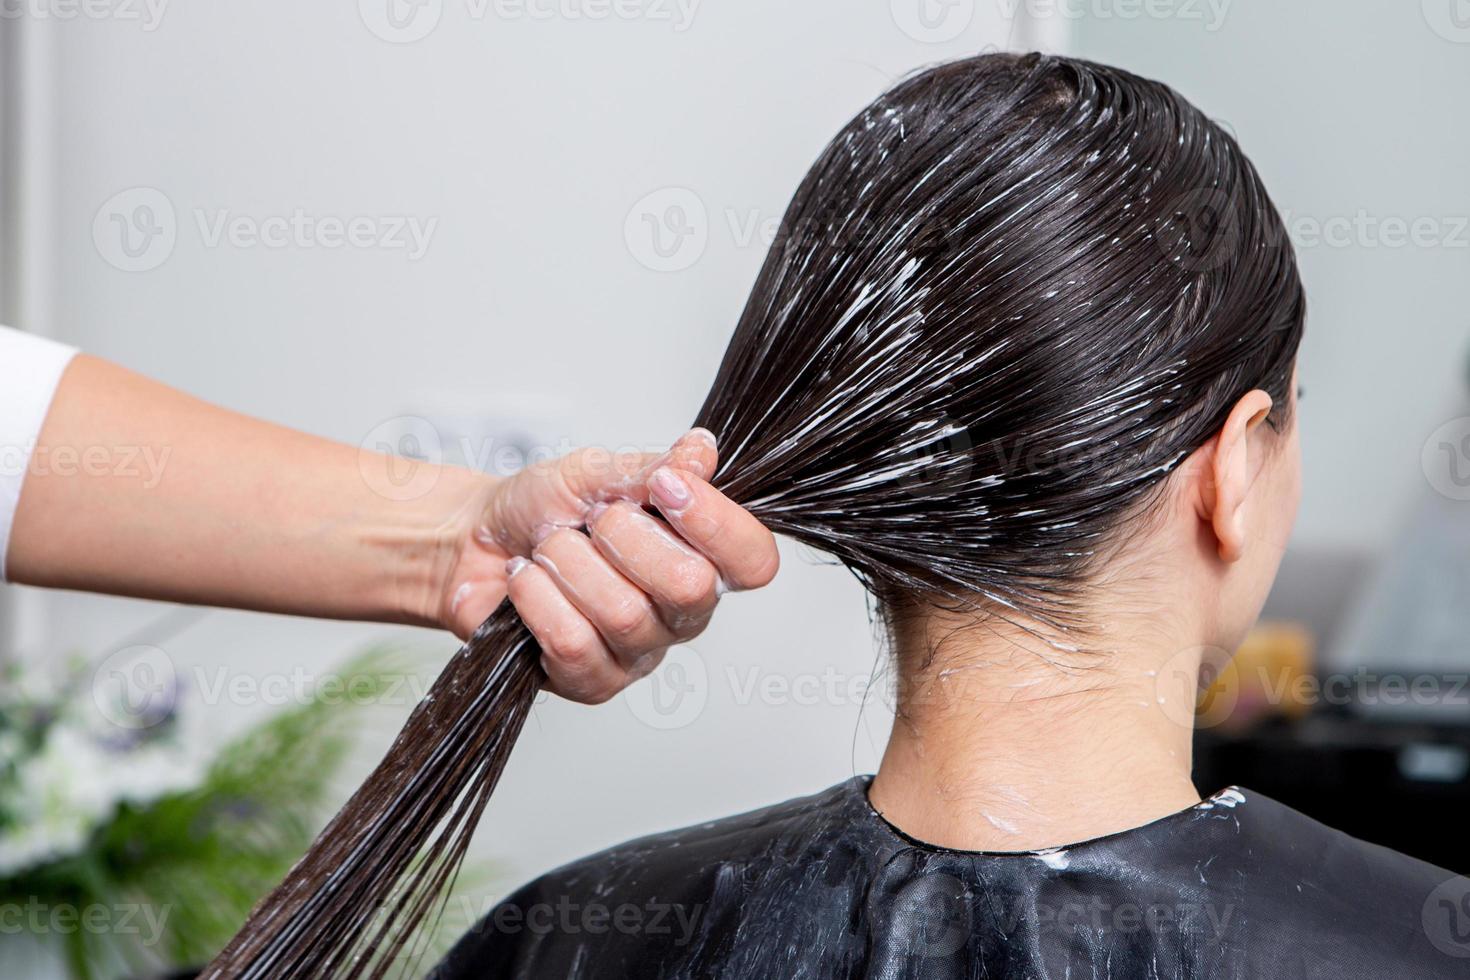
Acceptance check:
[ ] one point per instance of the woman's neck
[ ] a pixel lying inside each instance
(1004, 742)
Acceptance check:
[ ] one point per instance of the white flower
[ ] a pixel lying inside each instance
(75, 782)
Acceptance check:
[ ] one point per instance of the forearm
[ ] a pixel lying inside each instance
(137, 489)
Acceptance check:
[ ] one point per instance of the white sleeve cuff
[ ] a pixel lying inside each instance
(30, 370)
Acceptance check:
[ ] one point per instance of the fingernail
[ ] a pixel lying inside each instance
(541, 532)
(515, 565)
(704, 435)
(598, 509)
(669, 490)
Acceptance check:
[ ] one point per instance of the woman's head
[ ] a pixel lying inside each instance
(1009, 300)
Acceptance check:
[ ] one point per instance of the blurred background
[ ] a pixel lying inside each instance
(532, 224)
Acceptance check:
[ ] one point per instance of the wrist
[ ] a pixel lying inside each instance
(427, 538)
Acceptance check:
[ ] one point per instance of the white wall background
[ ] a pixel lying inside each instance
(531, 142)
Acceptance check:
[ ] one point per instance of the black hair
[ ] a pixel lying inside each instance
(1008, 299)
(1010, 296)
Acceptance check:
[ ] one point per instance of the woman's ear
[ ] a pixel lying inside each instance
(1228, 471)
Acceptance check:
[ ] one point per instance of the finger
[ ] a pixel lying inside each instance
(622, 613)
(682, 583)
(695, 452)
(742, 548)
(578, 664)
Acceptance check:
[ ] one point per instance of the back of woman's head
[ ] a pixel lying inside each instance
(1009, 297)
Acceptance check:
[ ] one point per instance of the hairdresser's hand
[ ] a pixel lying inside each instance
(605, 585)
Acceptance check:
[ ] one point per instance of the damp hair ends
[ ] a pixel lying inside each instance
(1007, 300)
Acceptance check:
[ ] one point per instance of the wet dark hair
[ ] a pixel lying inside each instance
(1009, 297)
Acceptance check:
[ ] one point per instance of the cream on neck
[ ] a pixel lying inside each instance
(1005, 742)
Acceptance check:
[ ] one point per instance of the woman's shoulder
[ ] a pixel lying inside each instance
(1305, 864)
(1237, 883)
(647, 900)
(794, 823)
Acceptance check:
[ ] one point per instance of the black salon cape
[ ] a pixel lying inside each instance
(1239, 886)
